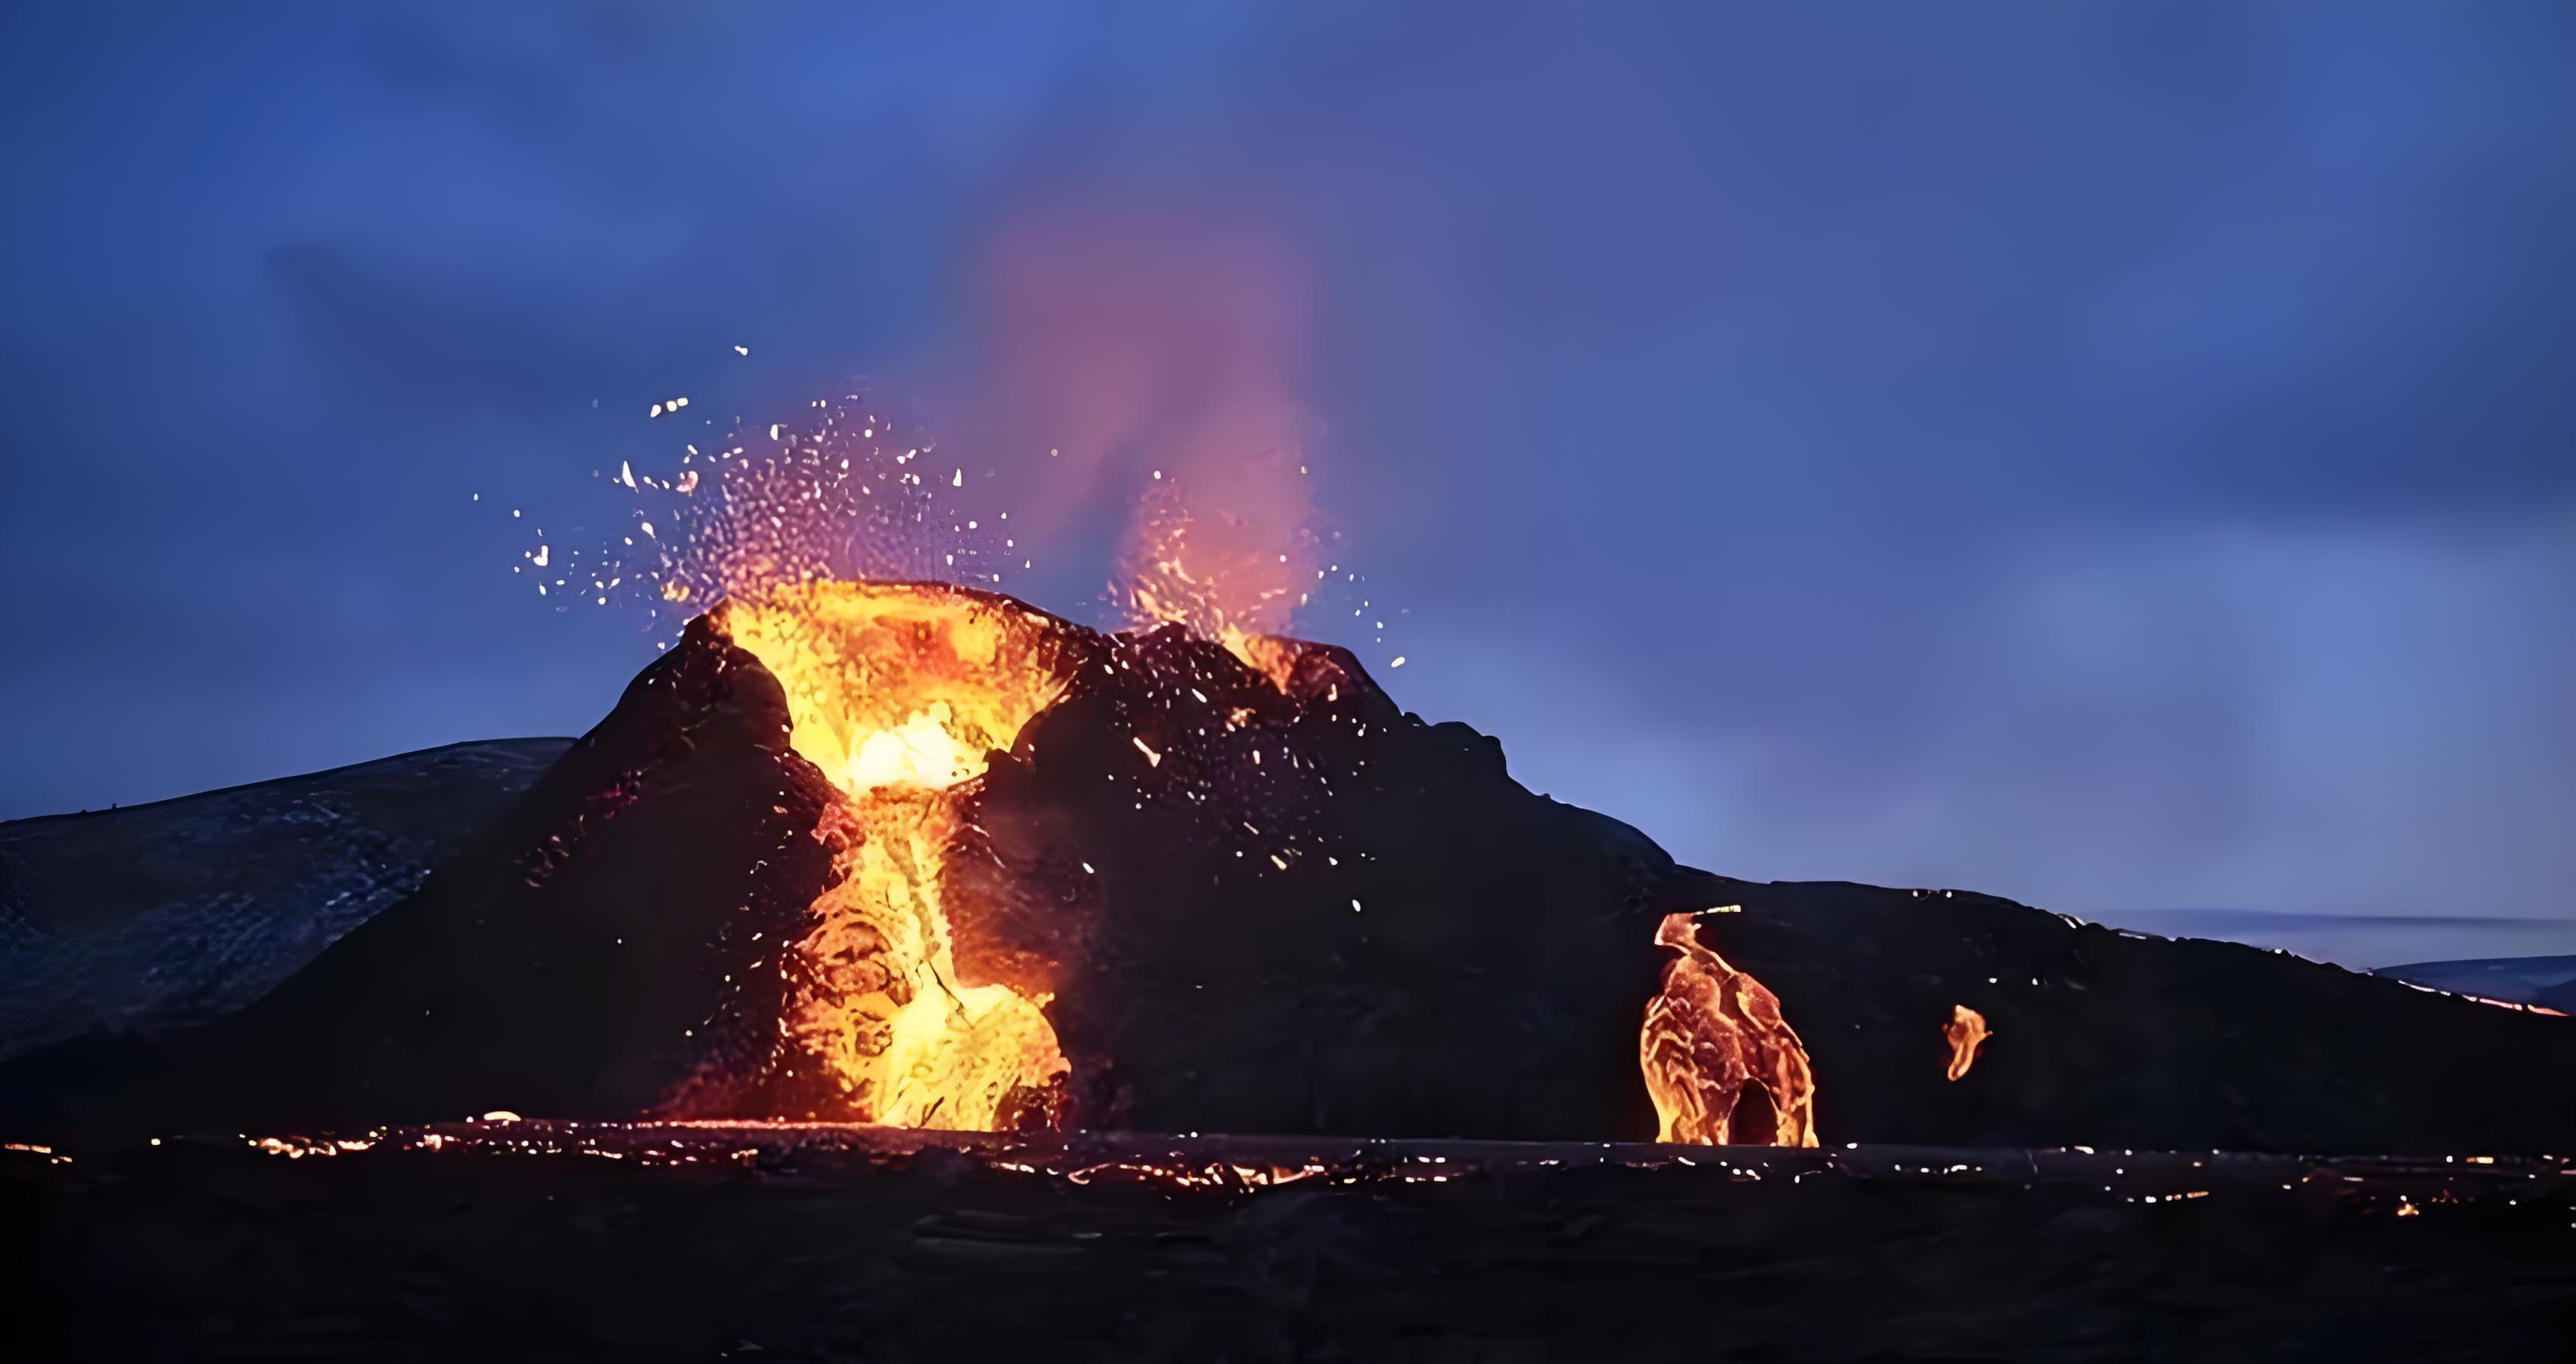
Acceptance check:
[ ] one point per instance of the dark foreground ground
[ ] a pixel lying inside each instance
(541, 1241)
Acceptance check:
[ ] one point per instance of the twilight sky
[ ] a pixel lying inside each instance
(2122, 457)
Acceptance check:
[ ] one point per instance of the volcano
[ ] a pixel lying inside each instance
(920, 856)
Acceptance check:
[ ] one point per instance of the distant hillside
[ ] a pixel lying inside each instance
(177, 912)
(2546, 981)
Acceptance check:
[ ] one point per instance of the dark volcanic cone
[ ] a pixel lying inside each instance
(1252, 901)
(1286, 906)
(1314, 913)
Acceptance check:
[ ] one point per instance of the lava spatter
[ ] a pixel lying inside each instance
(1721, 1063)
(1966, 1033)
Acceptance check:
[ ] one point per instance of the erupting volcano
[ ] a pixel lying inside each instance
(863, 848)
(918, 994)
(1010, 811)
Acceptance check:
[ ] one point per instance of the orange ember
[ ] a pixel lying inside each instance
(898, 692)
(1967, 1032)
(1723, 1066)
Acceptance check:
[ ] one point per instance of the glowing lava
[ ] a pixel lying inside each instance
(899, 695)
(898, 692)
(1721, 1063)
(1967, 1032)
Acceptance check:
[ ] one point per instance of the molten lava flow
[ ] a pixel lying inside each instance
(1967, 1032)
(1721, 1063)
(897, 692)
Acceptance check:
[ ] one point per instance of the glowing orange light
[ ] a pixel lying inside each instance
(1721, 1064)
(1967, 1032)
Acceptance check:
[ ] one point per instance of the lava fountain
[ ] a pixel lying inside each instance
(898, 1002)
(898, 693)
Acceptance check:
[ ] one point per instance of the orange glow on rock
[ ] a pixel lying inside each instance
(1967, 1032)
(1723, 1066)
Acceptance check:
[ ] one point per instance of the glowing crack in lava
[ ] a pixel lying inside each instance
(1966, 1031)
(1721, 1063)
(897, 692)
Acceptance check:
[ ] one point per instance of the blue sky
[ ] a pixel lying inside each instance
(2116, 456)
